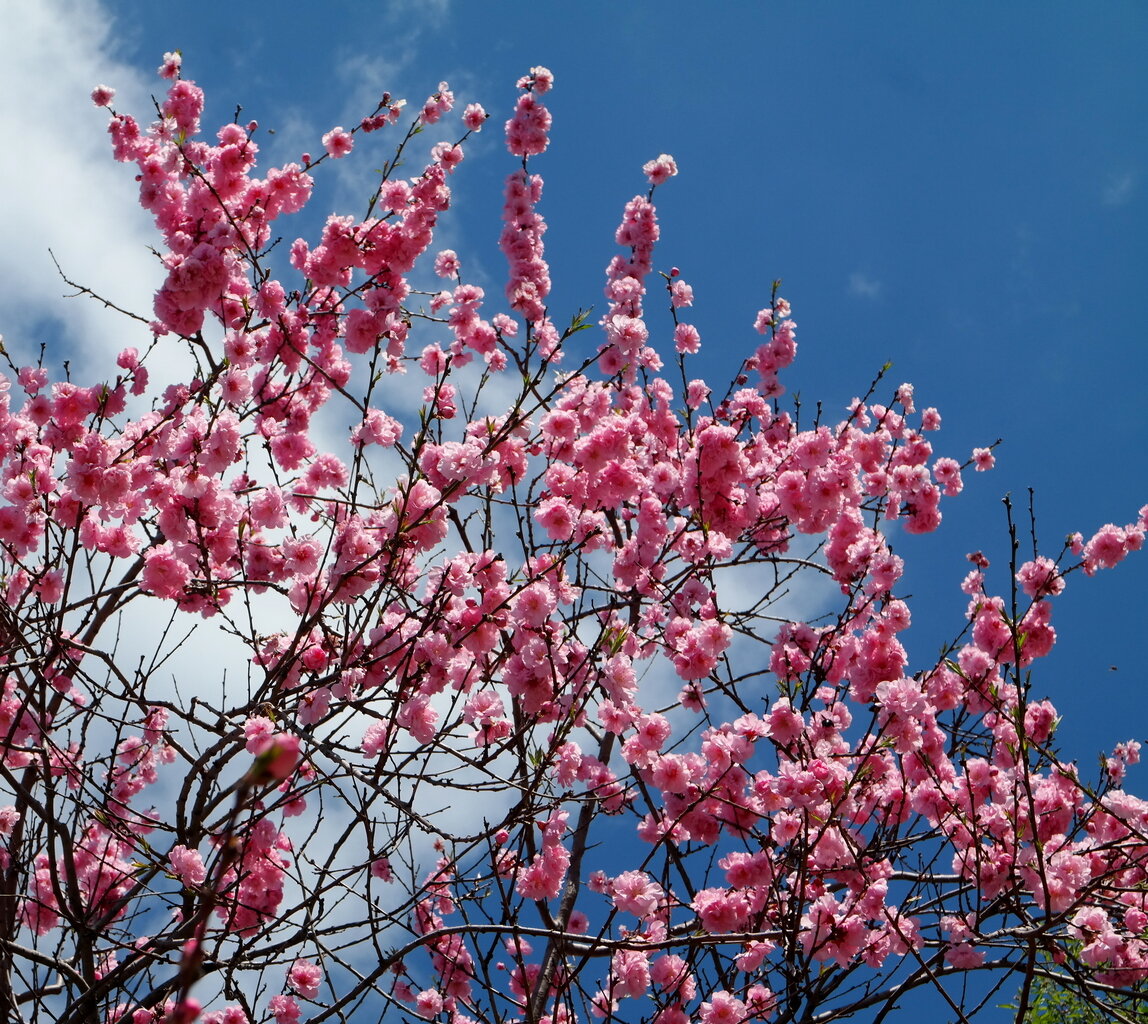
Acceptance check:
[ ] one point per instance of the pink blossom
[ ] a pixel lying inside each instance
(983, 459)
(33, 379)
(696, 393)
(171, 64)
(257, 730)
(784, 724)
(188, 865)
(630, 974)
(448, 155)
(102, 95)
(557, 517)
(1128, 752)
(542, 878)
(687, 340)
(830, 933)
(429, 1003)
(437, 105)
(9, 816)
(235, 386)
(672, 774)
(636, 893)
(1106, 548)
(446, 263)
(381, 869)
(540, 80)
(377, 428)
(304, 977)
(474, 117)
(1039, 578)
(721, 910)
(964, 956)
(671, 973)
(527, 131)
(722, 1008)
(184, 104)
(164, 574)
(284, 1009)
(947, 472)
(51, 587)
(338, 143)
(681, 294)
(660, 169)
(419, 718)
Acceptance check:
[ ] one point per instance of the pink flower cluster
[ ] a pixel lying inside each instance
(99, 873)
(527, 131)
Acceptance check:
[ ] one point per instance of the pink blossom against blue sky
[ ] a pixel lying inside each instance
(961, 190)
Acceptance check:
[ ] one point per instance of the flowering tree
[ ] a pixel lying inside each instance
(520, 729)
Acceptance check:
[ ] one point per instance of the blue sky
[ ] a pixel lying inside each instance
(959, 189)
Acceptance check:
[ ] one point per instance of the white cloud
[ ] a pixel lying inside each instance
(863, 286)
(63, 193)
(1119, 189)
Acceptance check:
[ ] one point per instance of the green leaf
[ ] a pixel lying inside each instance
(579, 322)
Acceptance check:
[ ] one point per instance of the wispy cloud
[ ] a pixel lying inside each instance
(1119, 188)
(864, 286)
